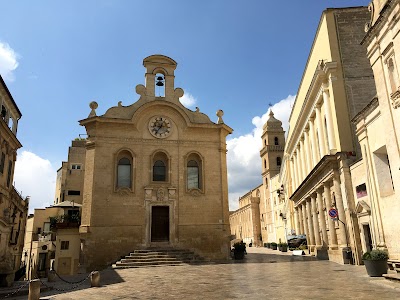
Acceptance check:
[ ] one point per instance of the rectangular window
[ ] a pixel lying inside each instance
(361, 190)
(76, 167)
(383, 172)
(9, 173)
(3, 158)
(64, 245)
(46, 227)
(74, 193)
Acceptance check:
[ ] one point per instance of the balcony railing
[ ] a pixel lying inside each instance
(65, 221)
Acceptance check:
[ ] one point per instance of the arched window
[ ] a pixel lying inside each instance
(193, 178)
(124, 170)
(124, 173)
(276, 140)
(159, 171)
(194, 172)
(160, 165)
(278, 161)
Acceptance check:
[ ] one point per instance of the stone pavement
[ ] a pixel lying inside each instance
(264, 274)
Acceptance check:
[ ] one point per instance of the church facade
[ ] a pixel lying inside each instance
(155, 175)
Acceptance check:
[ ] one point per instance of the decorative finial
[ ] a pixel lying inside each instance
(93, 105)
(197, 109)
(119, 103)
(220, 113)
(271, 113)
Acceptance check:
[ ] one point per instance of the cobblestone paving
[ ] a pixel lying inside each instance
(264, 274)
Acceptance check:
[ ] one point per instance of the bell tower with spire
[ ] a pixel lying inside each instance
(273, 145)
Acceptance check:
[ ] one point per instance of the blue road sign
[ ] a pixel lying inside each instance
(333, 213)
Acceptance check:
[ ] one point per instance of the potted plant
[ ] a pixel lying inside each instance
(238, 250)
(274, 246)
(284, 247)
(280, 246)
(268, 245)
(375, 262)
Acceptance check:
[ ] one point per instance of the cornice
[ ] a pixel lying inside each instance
(322, 74)
(366, 110)
(372, 29)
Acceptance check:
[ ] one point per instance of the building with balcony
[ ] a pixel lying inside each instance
(13, 208)
(69, 182)
(52, 237)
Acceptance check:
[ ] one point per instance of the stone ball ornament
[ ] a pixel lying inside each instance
(219, 114)
(93, 106)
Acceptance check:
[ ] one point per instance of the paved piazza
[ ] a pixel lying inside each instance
(262, 275)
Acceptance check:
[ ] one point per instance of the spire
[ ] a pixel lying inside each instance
(272, 122)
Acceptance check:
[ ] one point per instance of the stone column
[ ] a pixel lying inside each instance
(301, 217)
(296, 220)
(331, 223)
(329, 122)
(298, 168)
(310, 223)
(303, 159)
(307, 151)
(314, 146)
(321, 131)
(322, 219)
(340, 208)
(315, 222)
(292, 174)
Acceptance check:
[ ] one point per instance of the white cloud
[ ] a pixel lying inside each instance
(244, 162)
(35, 177)
(8, 61)
(188, 100)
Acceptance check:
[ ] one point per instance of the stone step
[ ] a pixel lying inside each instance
(115, 266)
(126, 259)
(157, 257)
(145, 264)
(394, 265)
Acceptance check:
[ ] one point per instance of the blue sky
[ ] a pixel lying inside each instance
(238, 56)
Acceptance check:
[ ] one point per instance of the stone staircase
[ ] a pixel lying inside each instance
(156, 258)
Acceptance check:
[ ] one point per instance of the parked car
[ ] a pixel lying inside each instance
(295, 241)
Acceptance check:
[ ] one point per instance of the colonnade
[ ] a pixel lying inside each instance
(316, 140)
(312, 219)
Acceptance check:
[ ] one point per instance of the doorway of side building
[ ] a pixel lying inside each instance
(160, 224)
(367, 237)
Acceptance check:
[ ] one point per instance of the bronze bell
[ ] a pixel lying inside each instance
(159, 83)
(160, 78)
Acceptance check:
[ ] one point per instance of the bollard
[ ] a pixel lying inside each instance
(51, 277)
(95, 279)
(34, 289)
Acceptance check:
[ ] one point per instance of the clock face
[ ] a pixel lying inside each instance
(160, 127)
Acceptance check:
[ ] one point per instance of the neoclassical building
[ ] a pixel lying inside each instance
(337, 83)
(155, 175)
(13, 208)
